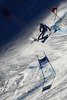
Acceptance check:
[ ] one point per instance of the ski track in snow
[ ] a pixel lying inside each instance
(16, 77)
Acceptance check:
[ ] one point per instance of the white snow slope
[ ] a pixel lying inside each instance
(18, 81)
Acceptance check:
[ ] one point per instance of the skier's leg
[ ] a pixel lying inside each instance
(44, 33)
(39, 36)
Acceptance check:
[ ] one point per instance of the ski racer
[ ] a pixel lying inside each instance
(43, 29)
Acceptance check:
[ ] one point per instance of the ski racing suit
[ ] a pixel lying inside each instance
(43, 30)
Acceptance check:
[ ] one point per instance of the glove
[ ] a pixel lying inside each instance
(49, 29)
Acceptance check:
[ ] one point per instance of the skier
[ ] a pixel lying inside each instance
(43, 30)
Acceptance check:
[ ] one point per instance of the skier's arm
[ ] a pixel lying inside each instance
(40, 29)
(49, 28)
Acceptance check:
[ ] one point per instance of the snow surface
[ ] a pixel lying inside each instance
(19, 68)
